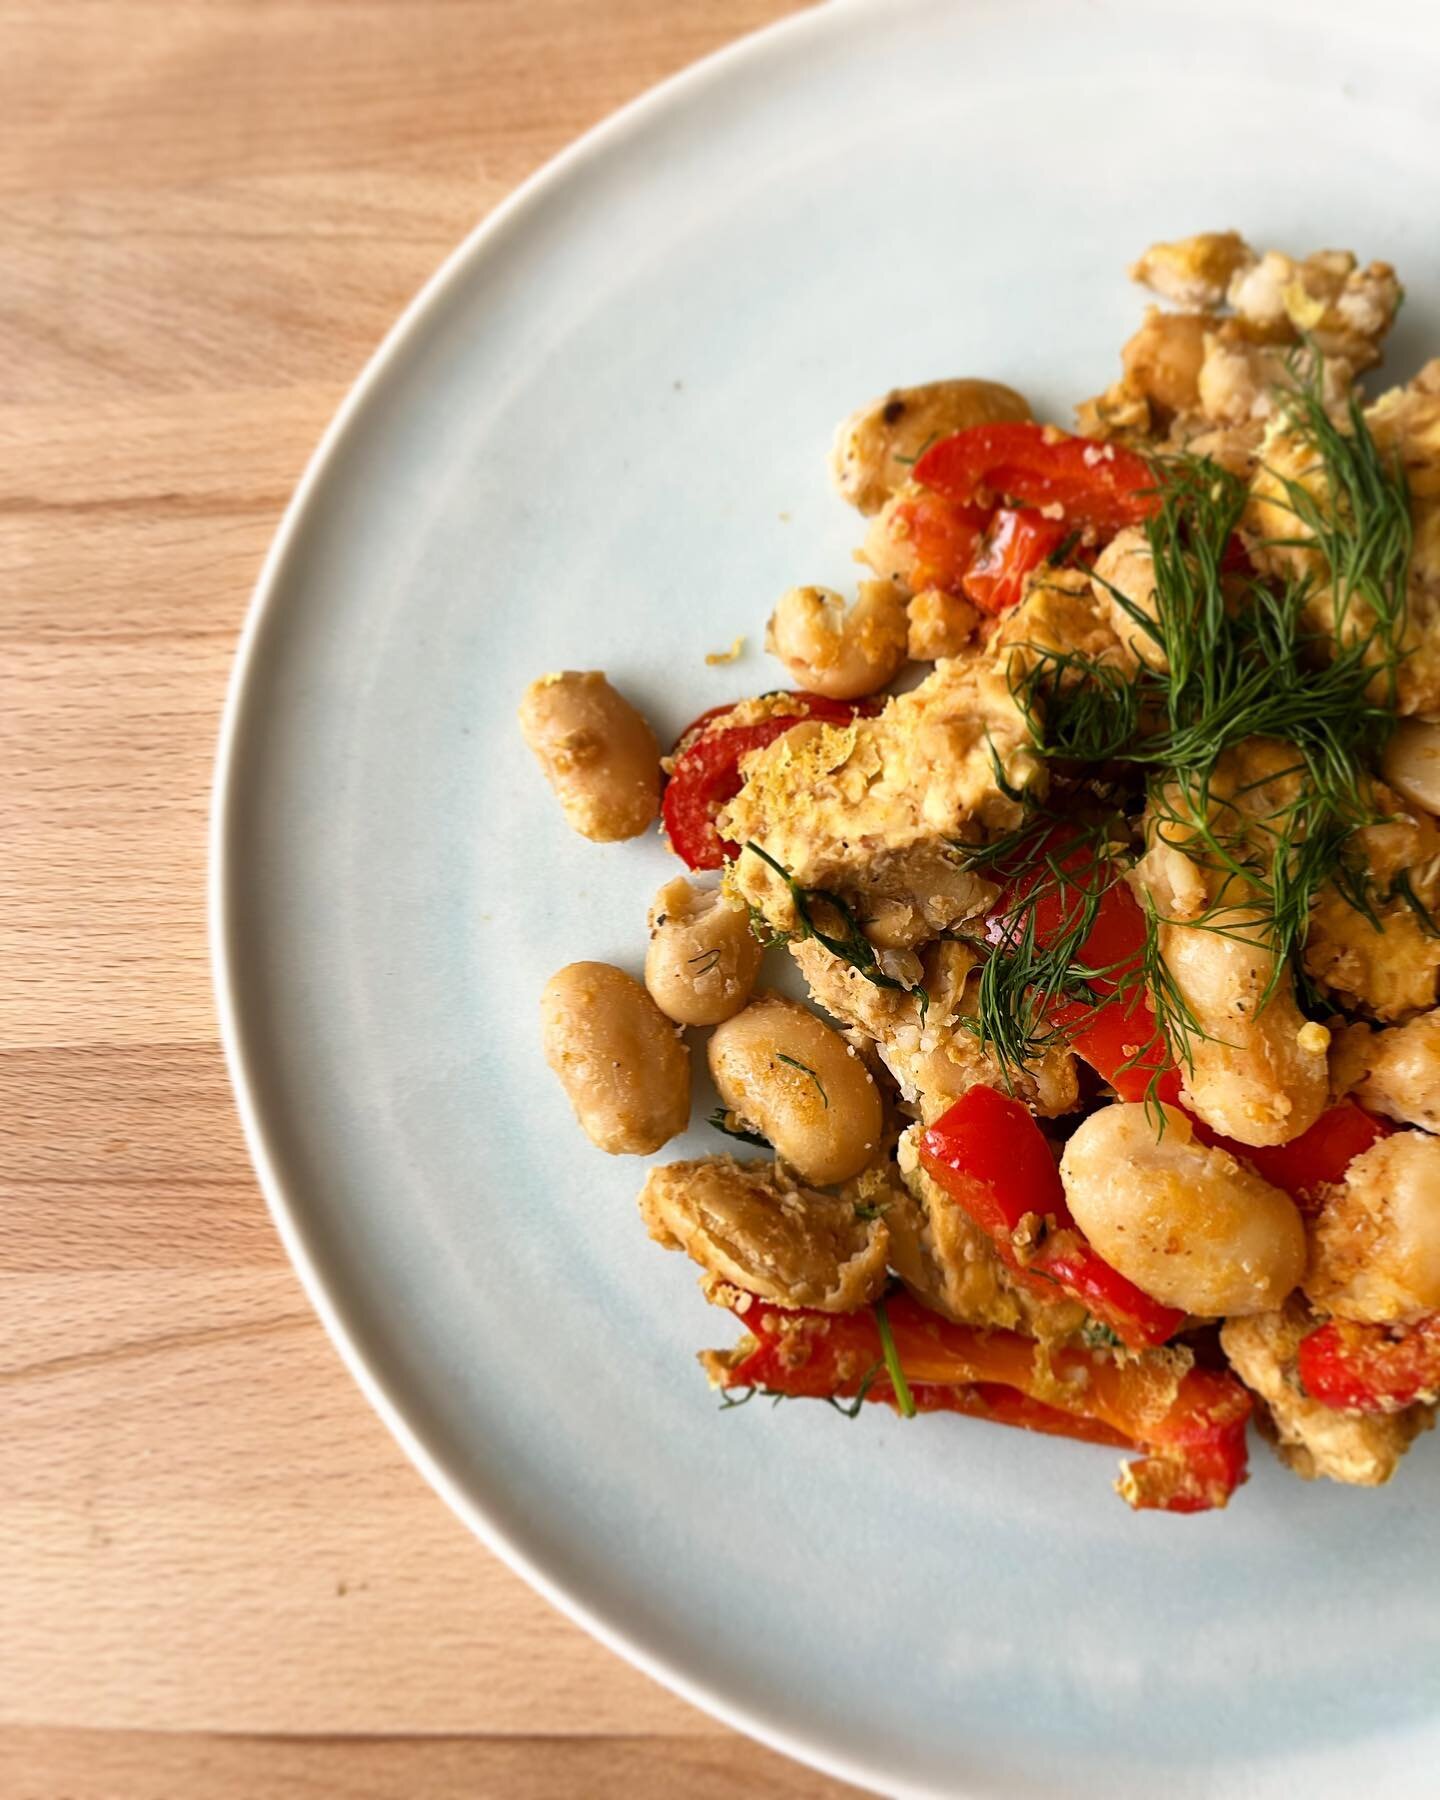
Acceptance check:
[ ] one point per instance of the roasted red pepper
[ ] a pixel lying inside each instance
(1320, 1156)
(990, 1157)
(1193, 1447)
(1093, 483)
(1120, 1042)
(1017, 542)
(940, 538)
(1118, 1036)
(706, 773)
(1371, 1368)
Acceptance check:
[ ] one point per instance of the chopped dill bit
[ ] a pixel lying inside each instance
(704, 960)
(903, 1397)
(867, 1211)
(850, 1409)
(1402, 889)
(854, 947)
(1096, 1335)
(1063, 870)
(1063, 548)
(763, 931)
(909, 462)
(730, 1124)
(733, 1397)
(805, 1069)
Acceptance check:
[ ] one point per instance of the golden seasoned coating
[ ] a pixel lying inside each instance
(939, 624)
(1061, 610)
(1240, 379)
(874, 804)
(876, 447)
(1375, 1246)
(1205, 378)
(1164, 358)
(935, 1059)
(1395, 1071)
(1312, 1439)
(1389, 969)
(751, 1224)
(947, 1261)
(1194, 271)
(1344, 310)
(1251, 1075)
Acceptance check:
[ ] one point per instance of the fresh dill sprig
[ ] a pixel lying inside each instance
(909, 462)
(1238, 658)
(794, 1062)
(730, 1398)
(1361, 524)
(1037, 969)
(853, 947)
(904, 1399)
(720, 1121)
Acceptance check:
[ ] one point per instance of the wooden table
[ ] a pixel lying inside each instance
(220, 1577)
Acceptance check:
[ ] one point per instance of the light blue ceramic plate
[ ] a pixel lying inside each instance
(597, 440)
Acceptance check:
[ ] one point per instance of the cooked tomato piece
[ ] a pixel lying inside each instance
(1093, 483)
(1019, 541)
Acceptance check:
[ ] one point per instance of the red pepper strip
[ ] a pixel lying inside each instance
(992, 1160)
(1094, 483)
(940, 539)
(1120, 1042)
(1319, 1156)
(1371, 1368)
(1016, 543)
(1194, 1451)
(1008, 1406)
(706, 773)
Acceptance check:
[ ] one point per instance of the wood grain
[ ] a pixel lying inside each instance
(220, 1577)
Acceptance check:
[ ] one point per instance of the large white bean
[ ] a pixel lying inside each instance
(1188, 1224)
(839, 652)
(703, 957)
(1375, 1254)
(597, 752)
(751, 1224)
(876, 447)
(1257, 1075)
(1411, 763)
(779, 1067)
(619, 1059)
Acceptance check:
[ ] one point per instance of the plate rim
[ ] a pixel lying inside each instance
(226, 782)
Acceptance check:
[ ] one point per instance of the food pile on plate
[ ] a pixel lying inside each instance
(1115, 1112)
